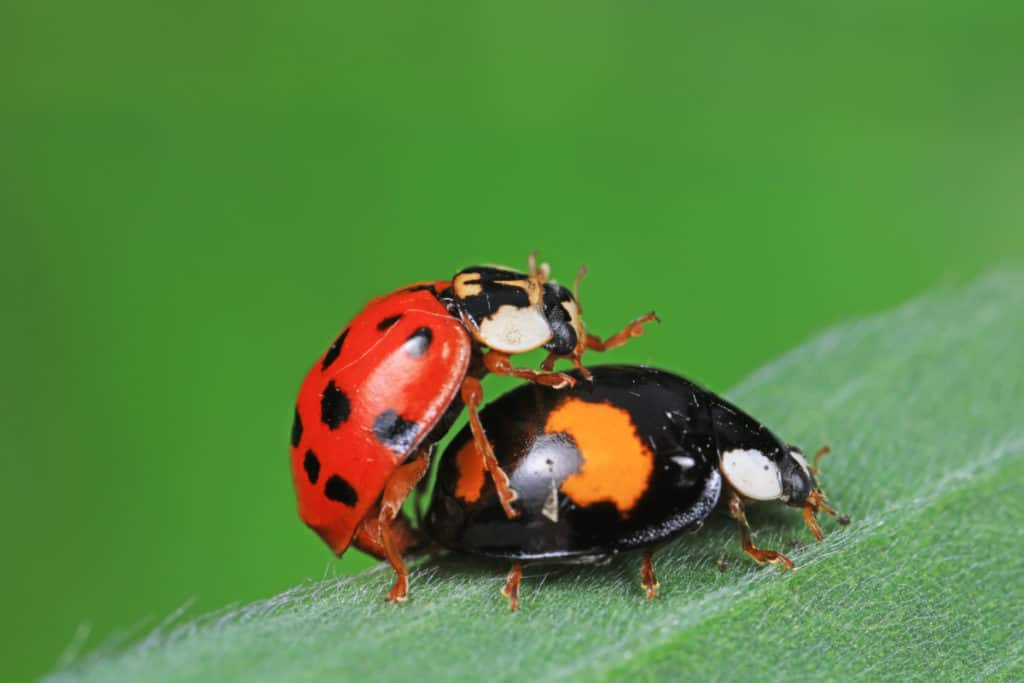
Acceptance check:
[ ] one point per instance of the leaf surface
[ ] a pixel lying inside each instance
(923, 407)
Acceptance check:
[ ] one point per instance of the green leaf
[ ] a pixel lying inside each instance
(924, 409)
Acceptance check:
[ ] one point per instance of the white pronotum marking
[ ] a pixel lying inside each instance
(514, 330)
(752, 474)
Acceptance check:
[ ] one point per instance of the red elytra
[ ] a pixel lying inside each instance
(368, 403)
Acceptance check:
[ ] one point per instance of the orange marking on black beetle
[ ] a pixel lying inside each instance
(471, 472)
(616, 462)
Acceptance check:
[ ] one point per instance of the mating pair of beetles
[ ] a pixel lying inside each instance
(570, 467)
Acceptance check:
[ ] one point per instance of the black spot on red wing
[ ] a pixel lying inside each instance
(388, 322)
(334, 406)
(339, 490)
(418, 342)
(296, 429)
(311, 464)
(333, 351)
(394, 431)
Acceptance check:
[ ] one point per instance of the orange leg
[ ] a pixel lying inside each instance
(511, 588)
(397, 489)
(472, 396)
(816, 501)
(404, 536)
(634, 329)
(593, 343)
(812, 523)
(647, 578)
(761, 556)
(549, 364)
(500, 364)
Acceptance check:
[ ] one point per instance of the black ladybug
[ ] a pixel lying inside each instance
(628, 460)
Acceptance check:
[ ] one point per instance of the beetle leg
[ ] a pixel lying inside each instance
(761, 556)
(368, 537)
(595, 343)
(647, 578)
(816, 501)
(396, 490)
(549, 364)
(633, 329)
(500, 364)
(511, 588)
(472, 396)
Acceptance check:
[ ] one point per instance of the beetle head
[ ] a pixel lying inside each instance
(800, 486)
(797, 478)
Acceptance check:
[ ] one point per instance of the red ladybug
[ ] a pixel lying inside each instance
(372, 408)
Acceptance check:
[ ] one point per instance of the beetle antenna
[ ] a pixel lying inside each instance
(540, 272)
(822, 452)
(576, 283)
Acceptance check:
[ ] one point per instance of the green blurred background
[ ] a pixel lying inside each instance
(195, 198)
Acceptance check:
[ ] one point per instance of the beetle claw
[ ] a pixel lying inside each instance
(400, 591)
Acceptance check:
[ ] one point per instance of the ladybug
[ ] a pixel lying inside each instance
(373, 406)
(627, 461)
